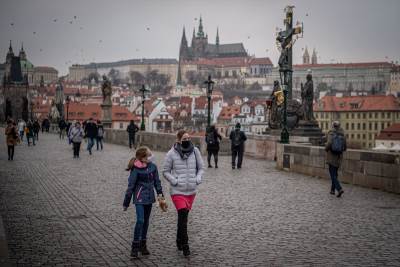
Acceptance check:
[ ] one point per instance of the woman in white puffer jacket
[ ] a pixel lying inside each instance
(183, 168)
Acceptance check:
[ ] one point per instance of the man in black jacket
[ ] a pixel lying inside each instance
(237, 138)
(90, 133)
(132, 129)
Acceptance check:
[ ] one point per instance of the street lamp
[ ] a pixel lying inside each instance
(143, 90)
(67, 101)
(210, 87)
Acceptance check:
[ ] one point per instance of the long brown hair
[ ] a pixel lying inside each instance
(141, 153)
(179, 134)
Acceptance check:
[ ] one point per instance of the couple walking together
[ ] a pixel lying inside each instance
(183, 169)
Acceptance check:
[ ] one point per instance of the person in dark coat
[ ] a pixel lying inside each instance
(237, 138)
(12, 138)
(90, 133)
(132, 129)
(62, 125)
(30, 133)
(213, 139)
(334, 159)
(36, 129)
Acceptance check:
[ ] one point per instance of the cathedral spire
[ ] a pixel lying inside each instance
(22, 53)
(314, 57)
(217, 38)
(10, 50)
(200, 33)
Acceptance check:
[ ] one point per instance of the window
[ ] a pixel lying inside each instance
(358, 136)
(370, 115)
(370, 137)
(347, 125)
(358, 126)
(376, 115)
(364, 126)
(347, 115)
(364, 116)
(382, 125)
(352, 126)
(352, 115)
(121, 125)
(388, 115)
(376, 126)
(352, 136)
(364, 136)
(358, 115)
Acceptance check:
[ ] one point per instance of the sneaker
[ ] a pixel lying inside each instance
(340, 193)
(216, 166)
(209, 166)
(233, 167)
(186, 250)
(332, 192)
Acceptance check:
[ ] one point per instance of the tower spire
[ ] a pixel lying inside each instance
(217, 38)
(200, 33)
(10, 48)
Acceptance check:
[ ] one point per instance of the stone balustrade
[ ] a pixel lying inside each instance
(377, 170)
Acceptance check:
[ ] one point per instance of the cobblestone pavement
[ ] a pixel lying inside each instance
(60, 211)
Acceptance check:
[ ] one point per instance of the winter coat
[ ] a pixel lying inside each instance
(76, 134)
(100, 131)
(12, 135)
(21, 126)
(215, 145)
(30, 129)
(331, 158)
(91, 129)
(243, 139)
(184, 175)
(132, 129)
(141, 184)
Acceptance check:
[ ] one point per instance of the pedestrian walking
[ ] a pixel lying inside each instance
(12, 138)
(335, 146)
(76, 137)
(29, 133)
(36, 129)
(237, 138)
(100, 135)
(132, 129)
(143, 179)
(183, 169)
(62, 125)
(21, 128)
(90, 133)
(213, 139)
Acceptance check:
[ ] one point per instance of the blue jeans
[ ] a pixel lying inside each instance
(333, 171)
(142, 221)
(99, 140)
(90, 144)
(21, 134)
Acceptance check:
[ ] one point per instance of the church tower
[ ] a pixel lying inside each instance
(314, 57)
(200, 42)
(306, 57)
(183, 49)
(22, 54)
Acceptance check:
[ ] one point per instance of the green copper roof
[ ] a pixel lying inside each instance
(26, 65)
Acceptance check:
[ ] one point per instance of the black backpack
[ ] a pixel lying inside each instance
(237, 138)
(338, 143)
(210, 138)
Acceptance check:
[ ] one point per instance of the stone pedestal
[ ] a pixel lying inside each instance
(311, 130)
(107, 115)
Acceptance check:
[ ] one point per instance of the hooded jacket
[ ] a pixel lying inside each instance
(183, 171)
(141, 183)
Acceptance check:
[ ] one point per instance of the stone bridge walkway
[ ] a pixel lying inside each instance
(60, 211)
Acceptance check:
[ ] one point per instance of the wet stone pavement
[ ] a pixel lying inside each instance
(60, 211)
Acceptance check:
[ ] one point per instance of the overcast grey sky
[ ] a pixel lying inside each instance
(110, 30)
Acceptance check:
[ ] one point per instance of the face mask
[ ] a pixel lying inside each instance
(150, 158)
(185, 144)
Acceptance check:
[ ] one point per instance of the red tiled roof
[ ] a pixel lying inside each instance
(81, 112)
(358, 103)
(390, 133)
(346, 65)
(260, 61)
(201, 102)
(228, 112)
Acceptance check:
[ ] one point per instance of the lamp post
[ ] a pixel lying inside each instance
(210, 85)
(143, 90)
(67, 101)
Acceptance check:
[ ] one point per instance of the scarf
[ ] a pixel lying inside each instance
(184, 152)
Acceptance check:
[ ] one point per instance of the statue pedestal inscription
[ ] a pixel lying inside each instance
(107, 115)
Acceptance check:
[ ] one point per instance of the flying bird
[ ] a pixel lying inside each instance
(307, 15)
(74, 17)
(12, 24)
(70, 22)
(148, 28)
(55, 20)
(34, 32)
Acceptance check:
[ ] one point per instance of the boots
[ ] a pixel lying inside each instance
(179, 245)
(143, 248)
(135, 249)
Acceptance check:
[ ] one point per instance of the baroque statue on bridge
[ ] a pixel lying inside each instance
(106, 89)
(307, 97)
